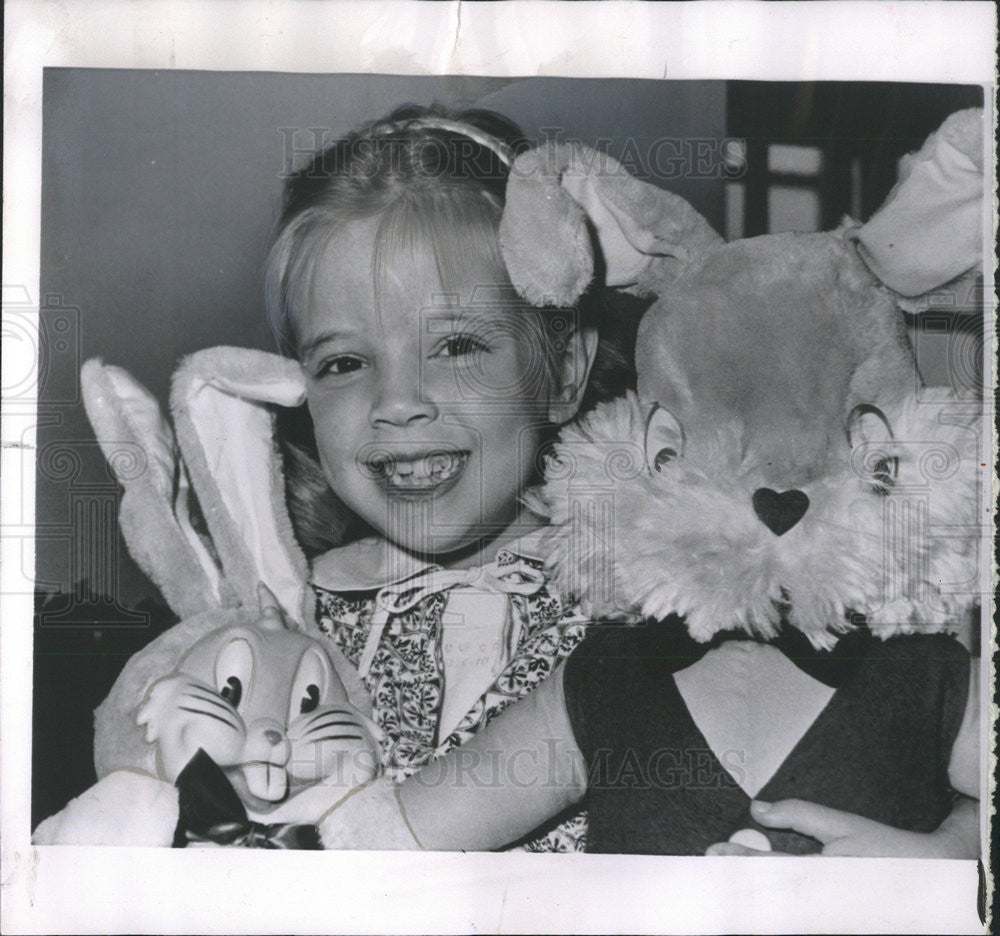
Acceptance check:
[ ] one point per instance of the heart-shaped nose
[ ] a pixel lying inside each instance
(779, 512)
(273, 737)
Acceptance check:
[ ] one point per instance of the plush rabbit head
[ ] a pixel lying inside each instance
(266, 704)
(781, 460)
(209, 563)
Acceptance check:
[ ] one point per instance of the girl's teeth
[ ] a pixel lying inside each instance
(429, 470)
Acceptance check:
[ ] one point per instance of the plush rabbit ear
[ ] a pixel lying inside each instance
(139, 446)
(222, 402)
(930, 229)
(557, 192)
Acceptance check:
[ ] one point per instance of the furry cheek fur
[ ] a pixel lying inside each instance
(903, 556)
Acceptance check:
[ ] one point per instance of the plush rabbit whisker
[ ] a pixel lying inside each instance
(327, 713)
(335, 737)
(333, 724)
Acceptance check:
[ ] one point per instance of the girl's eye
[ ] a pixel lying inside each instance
(344, 364)
(460, 345)
(310, 700)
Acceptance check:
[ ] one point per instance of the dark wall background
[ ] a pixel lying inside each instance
(874, 123)
(159, 190)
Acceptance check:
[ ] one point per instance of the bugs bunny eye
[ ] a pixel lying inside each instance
(664, 439)
(310, 685)
(233, 671)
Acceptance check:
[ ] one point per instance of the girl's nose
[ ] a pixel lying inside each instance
(402, 400)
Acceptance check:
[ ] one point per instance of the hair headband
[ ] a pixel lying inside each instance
(453, 126)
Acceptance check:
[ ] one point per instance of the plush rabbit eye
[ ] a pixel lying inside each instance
(663, 457)
(309, 687)
(868, 425)
(233, 671)
(232, 691)
(664, 439)
(884, 473)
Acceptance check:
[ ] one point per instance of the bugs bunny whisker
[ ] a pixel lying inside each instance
(332, 724)
(327, 712)
(337, 737)
(224, 721)
(218, 703)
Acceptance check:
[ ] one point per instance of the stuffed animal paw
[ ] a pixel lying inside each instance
(127, 807)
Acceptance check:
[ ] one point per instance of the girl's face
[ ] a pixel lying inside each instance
(429, 409)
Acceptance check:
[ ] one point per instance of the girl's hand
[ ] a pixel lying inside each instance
(846, 834)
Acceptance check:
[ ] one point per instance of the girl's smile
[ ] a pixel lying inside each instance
(418, 474)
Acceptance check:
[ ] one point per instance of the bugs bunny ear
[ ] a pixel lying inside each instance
(558, 192)
(140, 448)
(930, 229)
(223, 403)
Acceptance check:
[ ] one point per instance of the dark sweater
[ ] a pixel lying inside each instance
(880, 748)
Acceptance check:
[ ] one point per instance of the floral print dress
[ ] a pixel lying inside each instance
(400, 659)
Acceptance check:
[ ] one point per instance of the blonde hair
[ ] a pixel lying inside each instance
(418, 171)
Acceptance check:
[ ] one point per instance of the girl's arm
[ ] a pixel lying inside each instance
(521, 769)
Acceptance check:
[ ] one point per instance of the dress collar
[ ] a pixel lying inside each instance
(373, 563)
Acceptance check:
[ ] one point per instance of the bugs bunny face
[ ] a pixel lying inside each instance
(267, 705)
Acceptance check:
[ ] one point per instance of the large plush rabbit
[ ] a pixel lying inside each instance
(776, 386)
(780, 471)
(239, 686)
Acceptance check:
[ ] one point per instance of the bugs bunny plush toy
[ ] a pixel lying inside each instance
(238, 708)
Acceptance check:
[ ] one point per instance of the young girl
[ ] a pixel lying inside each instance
(432, 391)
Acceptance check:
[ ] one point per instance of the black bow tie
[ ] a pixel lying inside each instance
(832, 667)
(672, 641)
(210, 811)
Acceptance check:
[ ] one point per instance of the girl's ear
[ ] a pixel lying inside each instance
(574, 369)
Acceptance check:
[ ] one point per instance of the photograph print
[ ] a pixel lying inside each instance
(467, 463)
